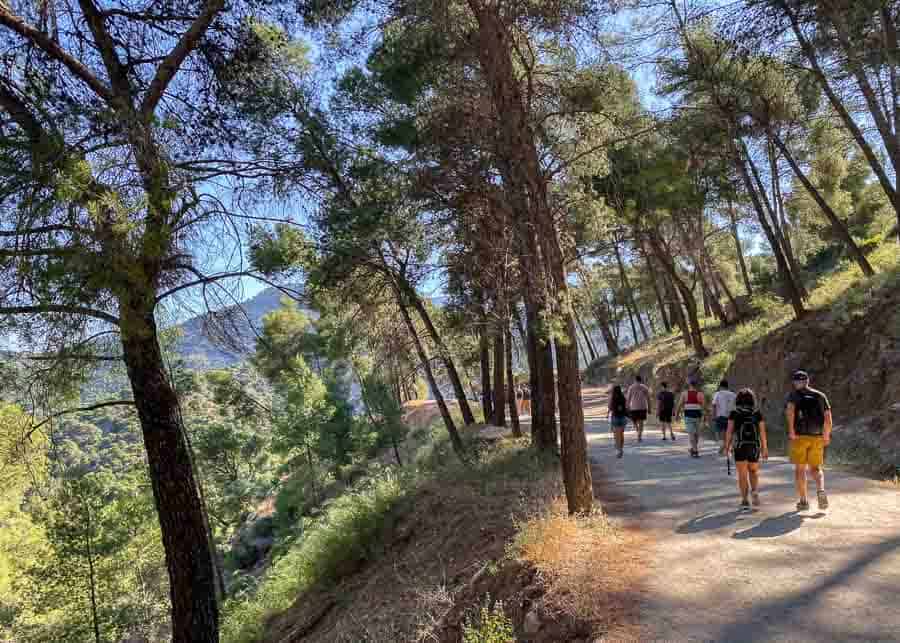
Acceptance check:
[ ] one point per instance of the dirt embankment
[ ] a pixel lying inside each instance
(856, 362)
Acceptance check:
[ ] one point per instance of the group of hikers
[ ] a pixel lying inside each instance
(739, 427)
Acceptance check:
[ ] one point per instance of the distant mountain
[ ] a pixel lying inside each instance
(226, 337)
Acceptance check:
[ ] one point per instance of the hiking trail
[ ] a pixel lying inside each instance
(773, 575)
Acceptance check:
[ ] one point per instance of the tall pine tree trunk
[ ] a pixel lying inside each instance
(522, 168)
(511, 387)
(446, 357)
(696, 333)
(190, 559)
(499, 378)
(790, 284)
(630, 303)
(487, 406)
(836, 224)
(745, 275)
(425, 360)
(587, 338)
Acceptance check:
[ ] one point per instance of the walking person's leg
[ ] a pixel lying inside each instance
(800, 482)
(743, 480)
(818, 474)
(754, 482)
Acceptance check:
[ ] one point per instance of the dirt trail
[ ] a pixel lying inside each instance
(774, 575)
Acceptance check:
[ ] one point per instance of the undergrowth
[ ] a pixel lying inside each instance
(489, 624)
(354, 525)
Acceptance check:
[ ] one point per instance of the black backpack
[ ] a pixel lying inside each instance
(809, 408)
(620, 407)
(746, 429)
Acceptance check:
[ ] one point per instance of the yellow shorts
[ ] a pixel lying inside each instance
(808, 449)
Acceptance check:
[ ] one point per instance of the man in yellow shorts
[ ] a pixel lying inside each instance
(809, 430)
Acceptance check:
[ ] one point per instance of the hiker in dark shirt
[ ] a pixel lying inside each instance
(809, 430)
(618, 418)
(746, 434)
(666, 409)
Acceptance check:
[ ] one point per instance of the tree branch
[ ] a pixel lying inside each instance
(57, 308)
(83, 409)
(52, 49)
(169, 67)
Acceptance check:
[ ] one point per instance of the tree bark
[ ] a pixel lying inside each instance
(425, 360)
(190, 559)
(92, 579)
(522, 168)
(511, 387)
(696, 333)
(487, 391)
(587, 338)
(651, 269)
(745, 275)
(776, 229)
(543, 396)
(630, 303)
(499, 378)
(446, 358)
(837, 225)
(790, 284)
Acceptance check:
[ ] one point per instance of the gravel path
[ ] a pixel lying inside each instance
(774, 575)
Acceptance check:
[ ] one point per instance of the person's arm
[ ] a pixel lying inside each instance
(826, 433)
(678, 406)
(764, 439)
(728, 435)
(789, 415)
(702, 399)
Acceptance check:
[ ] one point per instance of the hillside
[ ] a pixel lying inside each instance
(202, 343)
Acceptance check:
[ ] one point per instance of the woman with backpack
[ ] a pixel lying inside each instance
(618, 415)
(746, 435)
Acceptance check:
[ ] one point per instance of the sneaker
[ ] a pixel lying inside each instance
(619, 454)
(823, 500)
(803, 505)
(745, 506)
(665, 438)
(673, 437)
(755, 498)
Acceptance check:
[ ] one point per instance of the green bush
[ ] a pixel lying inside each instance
(489, 625)
(347, 533)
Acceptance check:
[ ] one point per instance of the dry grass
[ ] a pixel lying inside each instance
(591, 568)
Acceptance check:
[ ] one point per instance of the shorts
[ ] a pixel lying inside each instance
(639, 415)
(619, 421)
(721, 425)
(747, 453)
(665, 416)
(692, 425)
(808, 449)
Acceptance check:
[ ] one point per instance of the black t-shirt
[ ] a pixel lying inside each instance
(809, 410)
(666, 401)
(741, 416)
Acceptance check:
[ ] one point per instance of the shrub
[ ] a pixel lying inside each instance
(346, 534)
(489, 625)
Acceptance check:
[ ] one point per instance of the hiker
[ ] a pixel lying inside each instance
(746, 436)
(723, 404)
(638, 397)
(526, 399)
(693, 404)
(666, 408)
(618, 417)
(809, 430)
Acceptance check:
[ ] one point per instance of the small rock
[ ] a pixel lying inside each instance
(532, 622)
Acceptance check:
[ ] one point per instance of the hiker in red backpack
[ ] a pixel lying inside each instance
(746, 434)
(809, 430)
(693, 404)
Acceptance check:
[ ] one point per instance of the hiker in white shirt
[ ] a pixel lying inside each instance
(723, 404)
